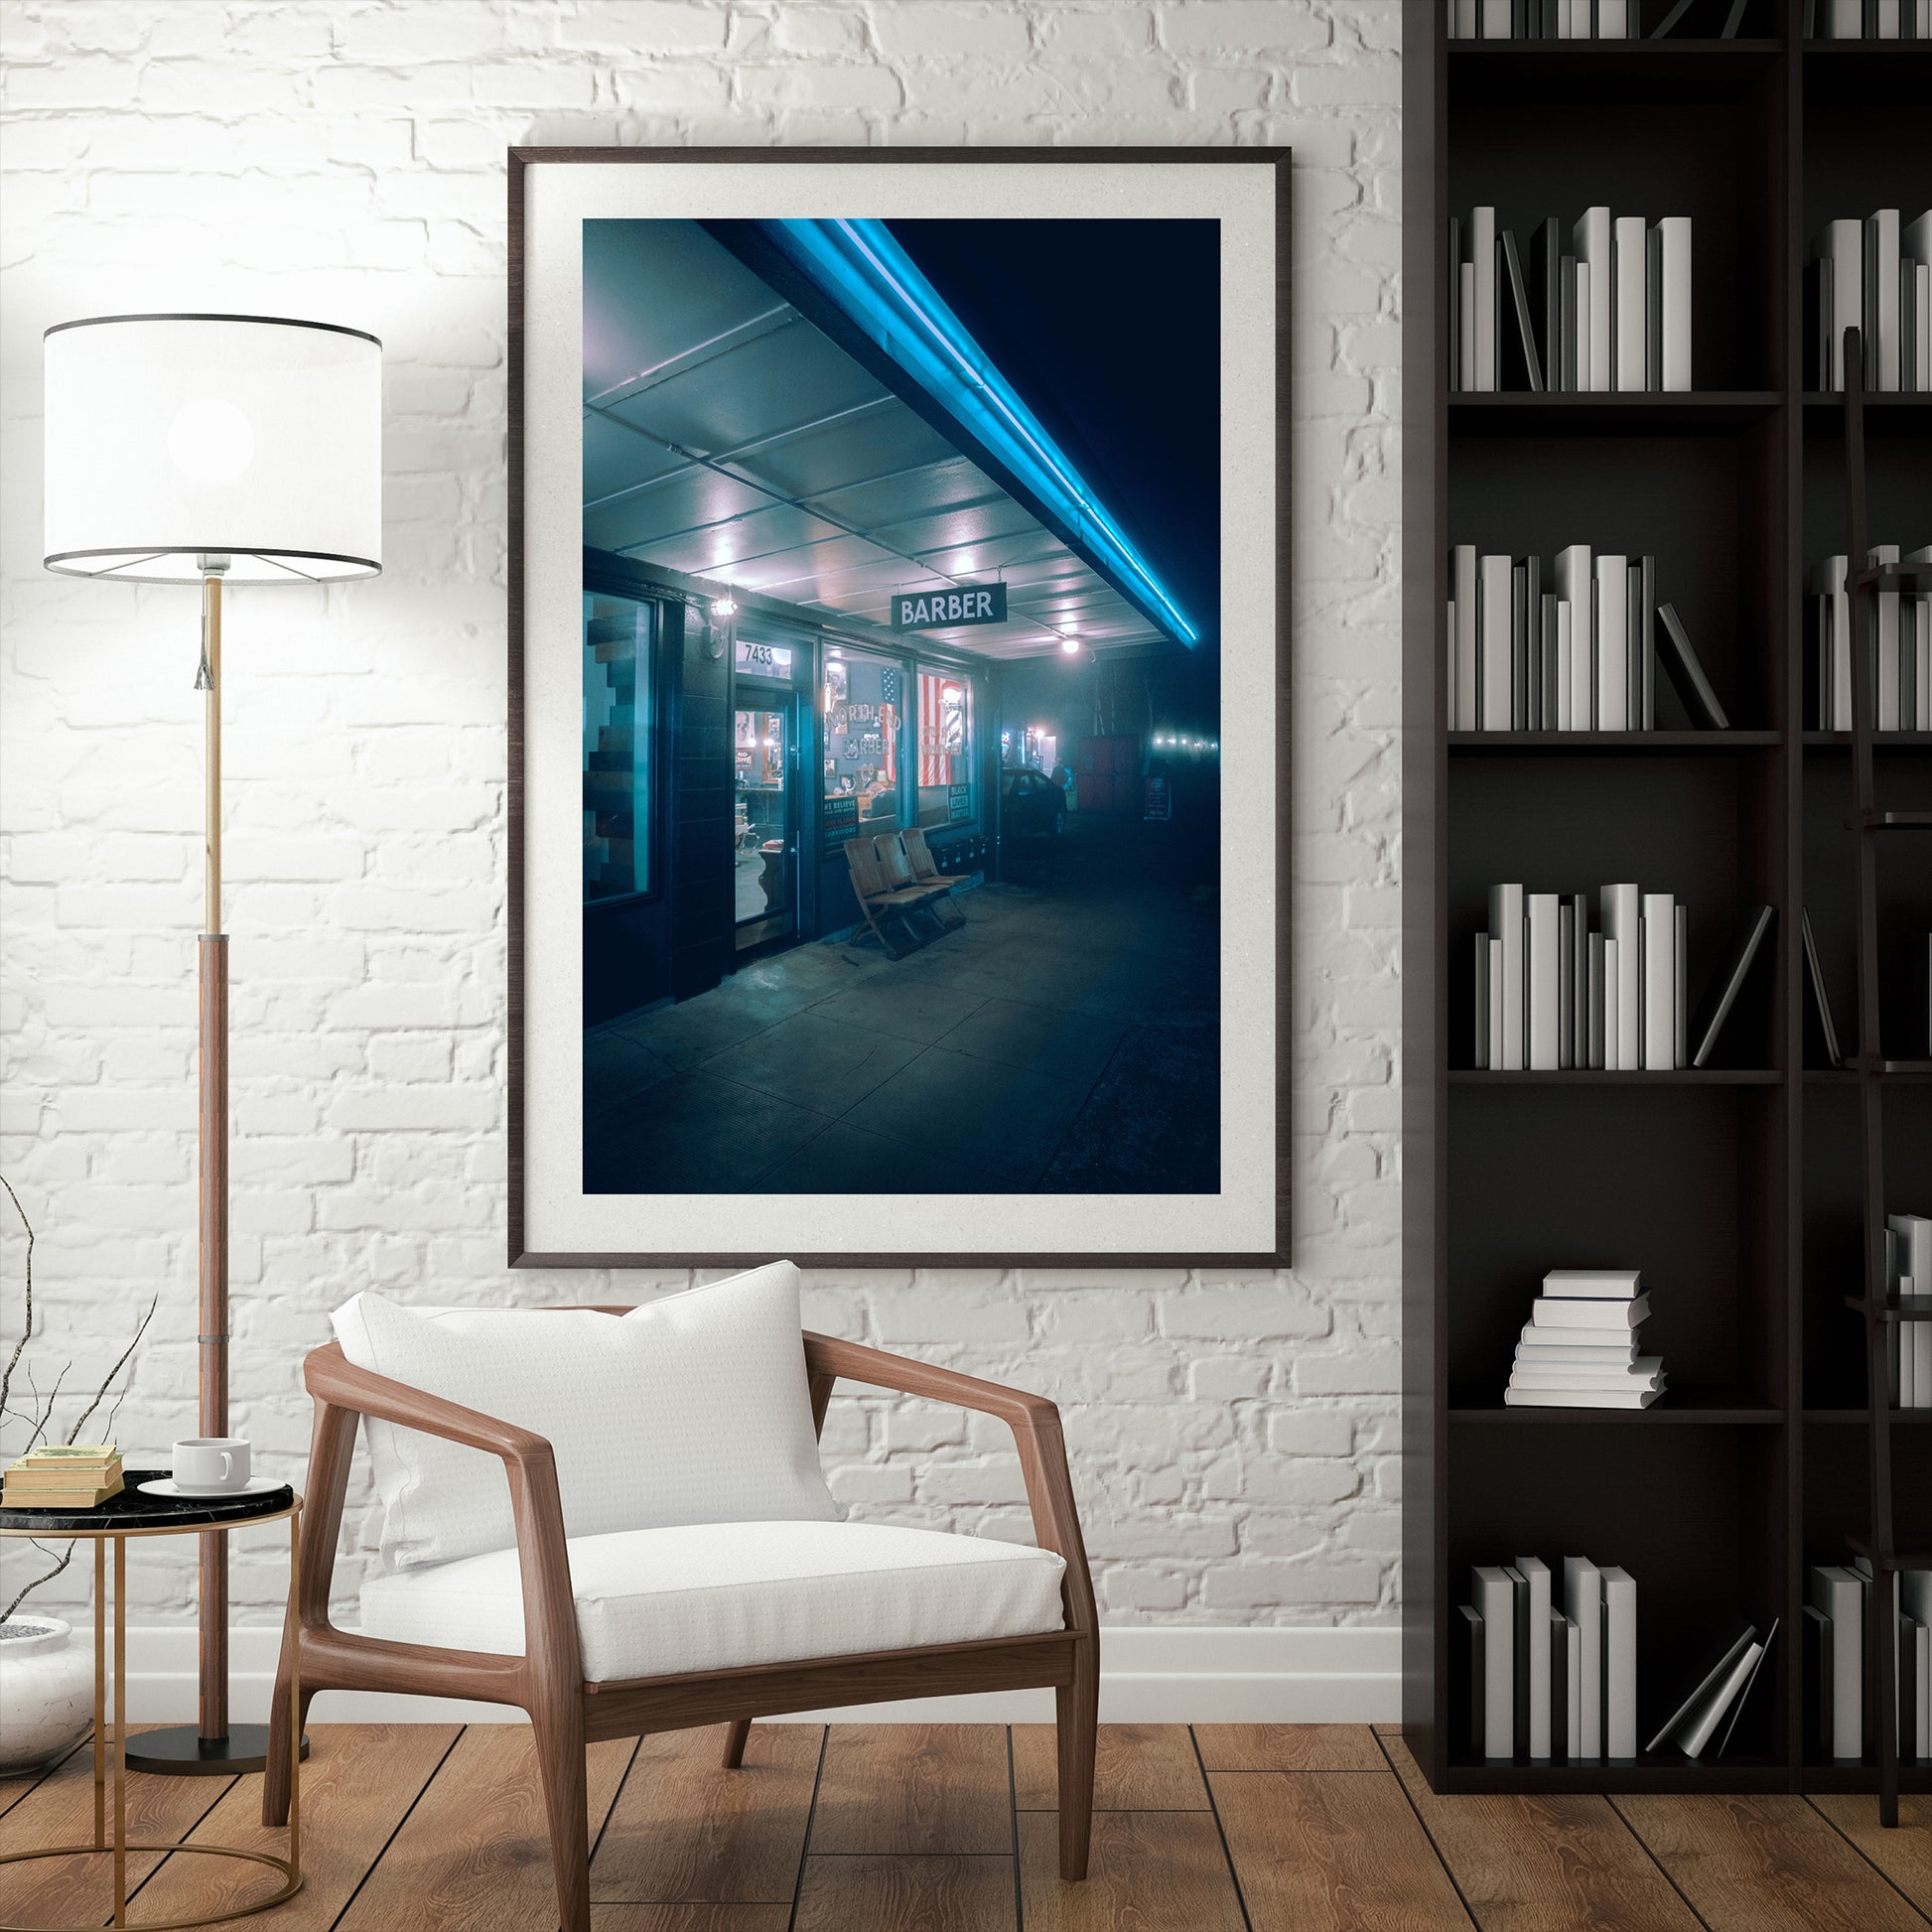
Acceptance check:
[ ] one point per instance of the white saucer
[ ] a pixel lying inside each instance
(168, 1486)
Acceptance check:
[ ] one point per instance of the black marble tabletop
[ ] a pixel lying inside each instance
(133, 1509)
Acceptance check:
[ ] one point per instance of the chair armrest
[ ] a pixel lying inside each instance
(530, 1463)
(1035, 1424)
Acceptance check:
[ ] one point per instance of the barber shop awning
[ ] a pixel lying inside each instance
(797, 414)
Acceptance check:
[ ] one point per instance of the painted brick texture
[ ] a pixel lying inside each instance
(1233, 1439)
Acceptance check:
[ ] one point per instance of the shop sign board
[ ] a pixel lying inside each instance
(944, 610)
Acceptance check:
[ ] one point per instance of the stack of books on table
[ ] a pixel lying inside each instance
(1570, 648)
(1901, 659)
(1547, 1682)
(1603, 304)
(1579, 1348)
(1909, 1271)
(67, 1475)
(1836, 1622)
(1875, 276)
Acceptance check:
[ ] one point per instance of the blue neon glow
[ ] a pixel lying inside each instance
(874, 280)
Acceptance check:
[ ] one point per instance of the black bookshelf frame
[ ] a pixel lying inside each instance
(1751, 1469)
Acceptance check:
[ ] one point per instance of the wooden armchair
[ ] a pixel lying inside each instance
(567, 1713)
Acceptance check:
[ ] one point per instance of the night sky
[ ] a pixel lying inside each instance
(1110, 331)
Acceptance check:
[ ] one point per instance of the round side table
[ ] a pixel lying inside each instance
(134, 1513)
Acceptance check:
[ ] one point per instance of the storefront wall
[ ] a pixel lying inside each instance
(874, 738)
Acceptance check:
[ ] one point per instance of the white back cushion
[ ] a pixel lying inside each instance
(692, 1408)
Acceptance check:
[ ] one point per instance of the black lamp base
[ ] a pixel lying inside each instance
(183, 1752)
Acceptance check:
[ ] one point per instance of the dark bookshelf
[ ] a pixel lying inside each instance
(1735, 1186)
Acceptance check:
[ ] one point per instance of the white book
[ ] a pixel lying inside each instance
(1658, 983)
(1465, 324)
(1592, 242)
(1629, 323)
(1583, 1602)
(1561, 1348)
(1838, 1595)
(1915, 1600)
(1573, 1685)
(1495, 1601)
(1613, 1004)
(1483, 257)
(1886, 23)
(1881, 295)
(1495, 20)
(1612, 644)
(1846, 18)
(1619, 1664)
(1566, 694)
(1468, 717)
(1693, 1739)
(1536, 1573)
(1496, 1063)
(1577, 588)
(1494, 645)
(1613, 19)
(1680, 988)
(1506, 928)
(1675, 230)
(1923, 318)
(1580, 1397)
(1545, 979)
(1612, 1284)
(1612, 1319)
(1889, 716)
(1843, 245)
(1644, 1372)
(1621, 910)
(1833, 588)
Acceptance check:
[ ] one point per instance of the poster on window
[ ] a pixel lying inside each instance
(818, 953)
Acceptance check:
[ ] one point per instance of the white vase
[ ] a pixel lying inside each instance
(46, 1692)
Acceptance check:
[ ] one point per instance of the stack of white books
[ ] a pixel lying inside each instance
(1579, 1348)
(1901, 649)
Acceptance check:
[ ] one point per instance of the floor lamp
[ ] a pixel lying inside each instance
(213, 450)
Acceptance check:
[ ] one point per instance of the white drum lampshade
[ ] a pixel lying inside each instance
(173, 439)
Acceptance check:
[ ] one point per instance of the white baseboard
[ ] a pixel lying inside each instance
(1183, 1674)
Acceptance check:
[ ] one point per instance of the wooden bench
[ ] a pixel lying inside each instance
(888, 909)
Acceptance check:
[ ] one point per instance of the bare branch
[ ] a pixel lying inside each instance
(73, 1433)
(27, 1327)
(47, 1577)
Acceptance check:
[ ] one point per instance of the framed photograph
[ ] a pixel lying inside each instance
(898, 707)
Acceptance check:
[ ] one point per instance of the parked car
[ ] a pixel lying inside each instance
(1031, 805)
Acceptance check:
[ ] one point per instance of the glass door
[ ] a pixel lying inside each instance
(765, 814)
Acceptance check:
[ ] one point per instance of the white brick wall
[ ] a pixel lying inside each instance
(1233, 1439)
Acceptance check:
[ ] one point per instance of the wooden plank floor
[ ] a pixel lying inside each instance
(951, 1827)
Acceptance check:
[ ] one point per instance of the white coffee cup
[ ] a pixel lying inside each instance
(212, 1465)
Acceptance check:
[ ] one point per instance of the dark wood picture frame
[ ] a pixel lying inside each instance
(520, 158)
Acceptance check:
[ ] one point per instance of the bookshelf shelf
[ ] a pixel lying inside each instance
(1657, 743)
(1702, 1412)
(1596, 1076)
(1528, 412)
(1735, 1188)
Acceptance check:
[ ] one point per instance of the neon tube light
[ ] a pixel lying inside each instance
(874, 280)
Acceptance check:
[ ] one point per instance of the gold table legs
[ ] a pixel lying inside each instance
(110, 1746)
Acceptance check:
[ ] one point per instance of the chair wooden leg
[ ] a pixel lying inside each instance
(739, 1730)
(559, 1729)
(275, 1771)
(1077, 1712)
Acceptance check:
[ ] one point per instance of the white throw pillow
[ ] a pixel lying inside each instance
(692, 1408)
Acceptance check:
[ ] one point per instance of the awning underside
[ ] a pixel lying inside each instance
(726, 437)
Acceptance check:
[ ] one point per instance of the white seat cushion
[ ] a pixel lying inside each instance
(691, 1409)
(716, 1596)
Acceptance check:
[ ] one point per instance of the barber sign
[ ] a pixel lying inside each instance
(959, 604)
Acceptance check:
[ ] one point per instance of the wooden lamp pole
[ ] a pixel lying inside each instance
(213, 951)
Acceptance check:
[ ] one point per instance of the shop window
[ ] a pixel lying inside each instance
(619, 637)
(945, 749)
(862, 704)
